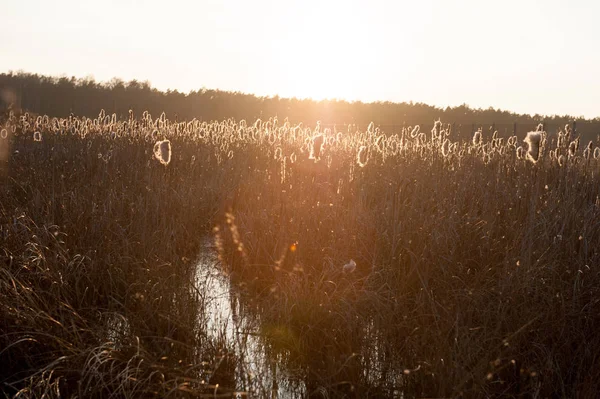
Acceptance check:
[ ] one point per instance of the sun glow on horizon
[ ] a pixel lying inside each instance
(518, 55)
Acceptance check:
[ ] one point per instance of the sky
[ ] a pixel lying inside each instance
(525, 56)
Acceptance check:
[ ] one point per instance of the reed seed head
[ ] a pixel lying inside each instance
(533, 140)
(362, 156)
(162, 151)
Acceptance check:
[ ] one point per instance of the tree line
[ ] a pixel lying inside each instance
(62, 96)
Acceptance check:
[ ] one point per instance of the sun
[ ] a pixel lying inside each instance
(320, 79)
(325, 58)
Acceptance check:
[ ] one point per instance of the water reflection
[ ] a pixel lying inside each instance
(225, 320)
(301, 354)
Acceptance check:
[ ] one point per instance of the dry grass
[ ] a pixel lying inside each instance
(477, 272)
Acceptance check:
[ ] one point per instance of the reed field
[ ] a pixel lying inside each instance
(352, 263)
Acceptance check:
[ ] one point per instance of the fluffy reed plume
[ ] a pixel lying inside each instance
(415, 131)
(533, 140)
(520, 152)
(362, 156)
(560, 141)
(162, 151)
(597, 153)
(316, 147)
(561, 160)
(380, 143)
(349, 267)
(572, 149)
(436, 131)
(588, 150)
(446, 148)
(4, 133)
(568, 132)
(371, 128)
(477, 138)
(37, 136)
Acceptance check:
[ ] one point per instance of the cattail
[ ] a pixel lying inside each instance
(371, 128)
(533, 140)
(560, 141)
(380, 143)
(520, 152)
(162, 151)
(37, 136)
(477, 138)
(597, 153)
(437, 130)
(316, 147)
(415, 131)
(572, 148)
(362, 156)
(446, 148)
(588, 150)
(561, 160)
(568, 131)
(4, 133)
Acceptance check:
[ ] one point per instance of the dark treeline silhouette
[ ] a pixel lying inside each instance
(61, 96)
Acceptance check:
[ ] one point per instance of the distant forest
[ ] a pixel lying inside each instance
(61, 96)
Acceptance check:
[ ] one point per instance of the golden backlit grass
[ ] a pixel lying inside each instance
(476, 262)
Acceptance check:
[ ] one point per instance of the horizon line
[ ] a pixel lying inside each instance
(106, 83)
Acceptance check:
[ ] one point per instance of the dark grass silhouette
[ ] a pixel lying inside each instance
(476, 272)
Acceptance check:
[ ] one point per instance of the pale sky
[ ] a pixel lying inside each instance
(526, 56)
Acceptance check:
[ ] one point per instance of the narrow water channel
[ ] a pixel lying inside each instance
(225, 320)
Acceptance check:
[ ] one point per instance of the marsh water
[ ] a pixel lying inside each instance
(227, 322)
(306, 364)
